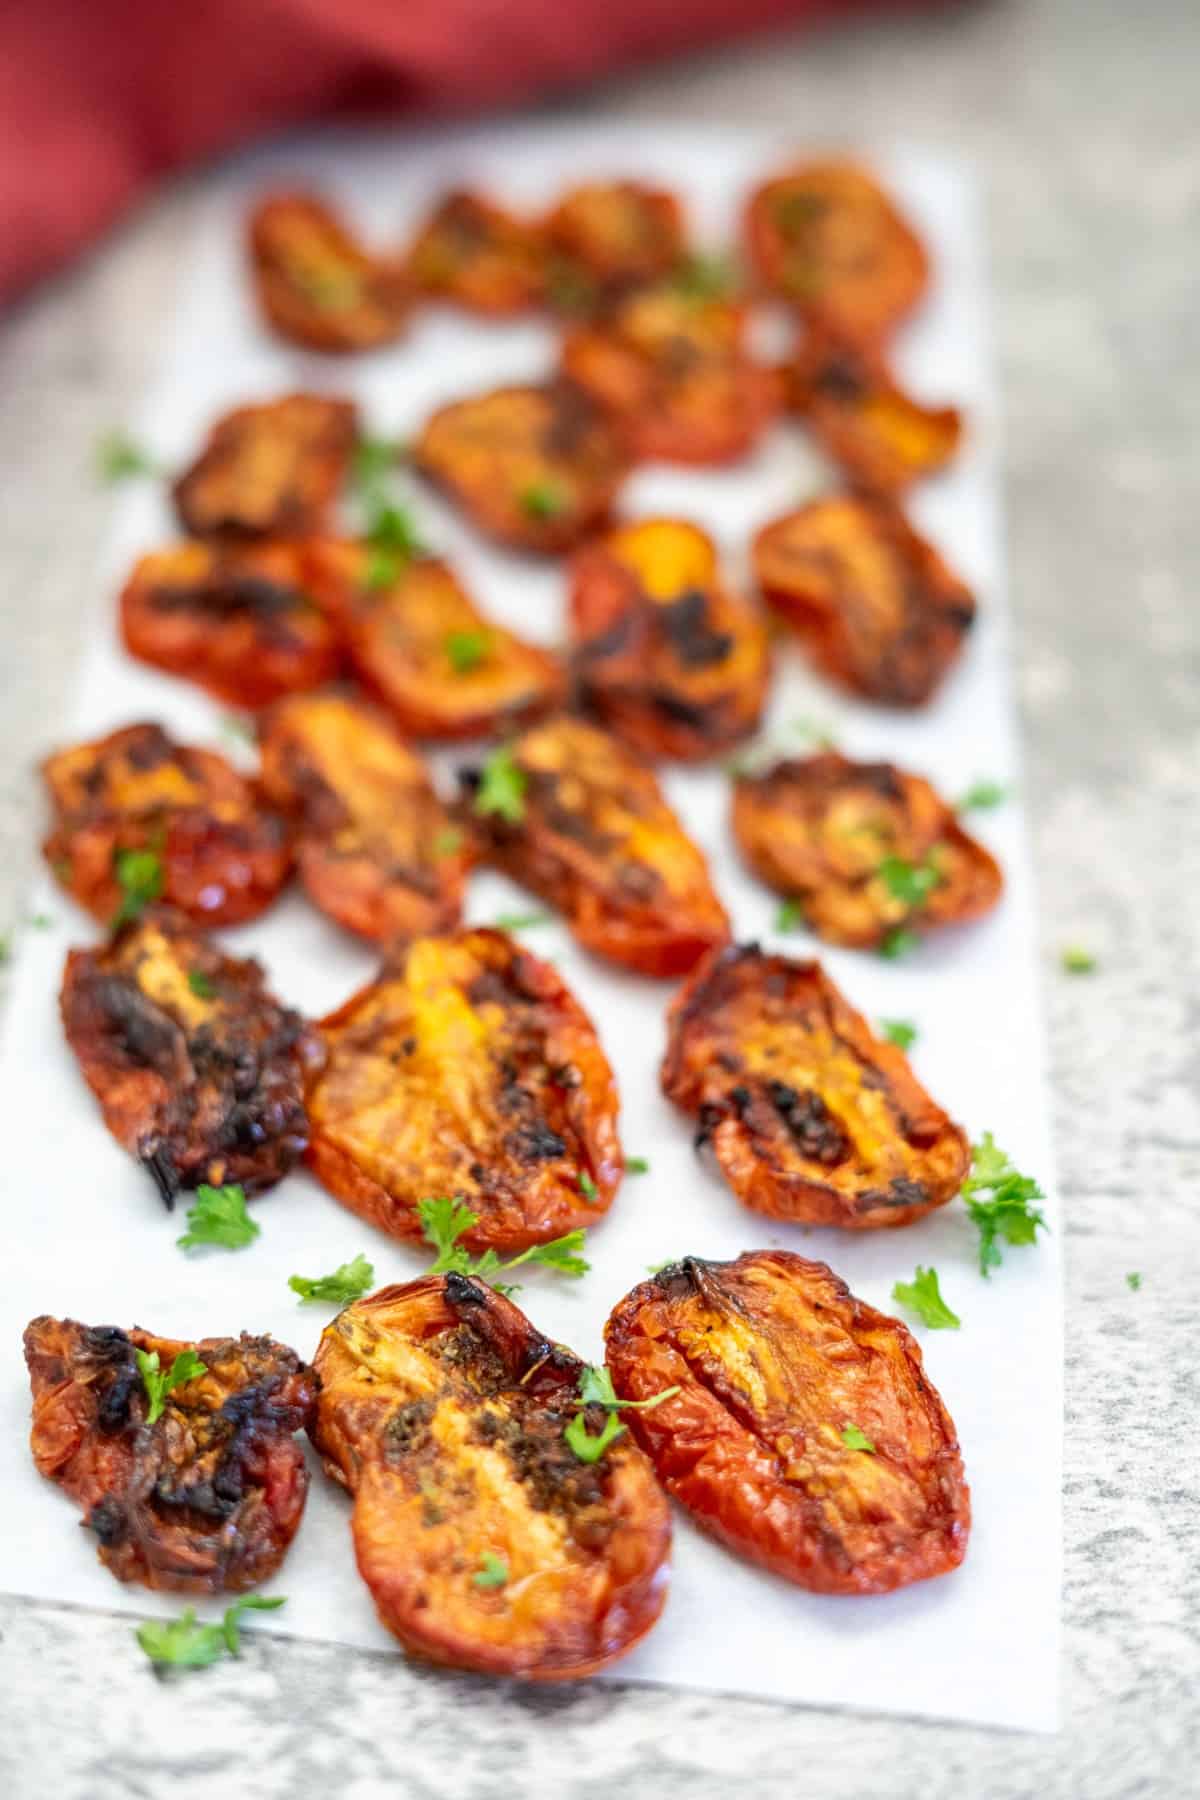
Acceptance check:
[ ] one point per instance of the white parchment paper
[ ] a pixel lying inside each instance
(85, 1234)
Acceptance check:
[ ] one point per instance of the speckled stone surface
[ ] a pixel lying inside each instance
(1081, 118)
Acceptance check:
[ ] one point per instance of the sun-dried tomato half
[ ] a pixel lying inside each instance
(810, 1117)
(485, 1542)
(240, 621)
(605, 236)
(205, 1500)
(589, 831)
(468, 1068)
(536, 467)
(671, 369)
(417, 639)
(665, 654)
(881, 437)
(197, 1067)
(805, 1435)
(270, 470)
(866, 848)
(316, 284)
(878, 608)
(473, 252)
(375, 848)
(219, 855)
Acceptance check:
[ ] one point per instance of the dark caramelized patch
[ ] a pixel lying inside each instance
(269, 470)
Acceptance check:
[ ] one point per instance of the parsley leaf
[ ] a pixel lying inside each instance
(1133, 1280)
(391, 527)
(596, 1389)
(374, 459)
(201, 984)
(636, 1165)
(588, 1188)
(1007, 1214)
(444, 1219)
(447, 841)
(790, 916)
(911, 883)
(520, 921)
(1077, 961)
(348, 1282)
(139, 876)
(560, 1253)
(382, 569)
(543, 500)
(855, 1439)
(491, 1573)
(466, 650)
(922, 1296)
(184, 1643)
(587, 1448)
(901, 1032)
(981, 796)
(41, 921)
(219, 1217)
(704, 277)
(118, 457)
(898, 943)
(159, 1384)
(502, 786)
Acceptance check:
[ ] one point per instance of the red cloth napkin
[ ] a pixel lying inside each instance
(98, 98)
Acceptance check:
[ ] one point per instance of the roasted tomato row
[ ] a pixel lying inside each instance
(316, 284)
(866, 848)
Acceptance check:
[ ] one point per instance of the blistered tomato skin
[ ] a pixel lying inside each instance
(856, 844)
(536, 467)
(596, 839)
(810, 1117)
(775, 1360)
(376, 850)
(606, 236)
(418, 641)
(443, 1411)
(316, 284)
(477, 255)
(468, 1068)
(205, 1500)
(274, 469)
(221, 855)
(826, 238)
(239, 622)
(665, 654)
(198, 1069)
(878, 609)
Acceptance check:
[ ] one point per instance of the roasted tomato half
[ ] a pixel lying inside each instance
(866, 848)
(536, 467)
(467, 1068)
(878, 608)
(375, 848)
(476, 254)
(805, 1435)
(826, 237)
(605, 236)
(217, 854)
(671, 370)
(316, 284)
(270, 470)
(881, 437)
(417, 639)
(591, 833)
(197, 1067)
(671, 661)
(238, 621)
(810, 1117)
(206, 1499)
(485, 1542)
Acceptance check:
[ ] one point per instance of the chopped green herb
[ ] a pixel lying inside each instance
(911, 883)
(901, 1032)
(390, 527)
(382, 570)
(502, 786)
(184, 1643)
(587, 1448)
(636, 1165)
(898, 943)
(588, 1188)
(922, 1296)
(1077, 961)
(118, 458)
(596, 1389)
(1133, 1280)
(543, 500)
(41, 921)
(201, 984)
(491, 1573)
(444, 1219)
(140, 878)
(219, 1217)
(1007, 1213)
(374, 459)
(466, 650)
(982, 796)
(159, 1383)
(704, 277)
(349, 1281)
(854, 1439)
(447, 841)
(790, 916)
(521, 921)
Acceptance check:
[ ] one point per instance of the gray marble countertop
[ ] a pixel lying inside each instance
(1081, 117)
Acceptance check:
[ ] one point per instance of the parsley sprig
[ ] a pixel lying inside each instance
(502, 785)
(855, 1438)
(159, 1382)
(140, 878)
(491, 1573)
(119, 457)
(219, 1217)
(923, 1297)
(596, 1389)
(184, 1643)
(910, 883)
(1000, 1201)
(982, 796)
(543, 500)
(901, 1032)
(467, 650)
(444, 1220)
(349, 1281)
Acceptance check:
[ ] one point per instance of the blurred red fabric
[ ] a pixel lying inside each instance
(98, 98)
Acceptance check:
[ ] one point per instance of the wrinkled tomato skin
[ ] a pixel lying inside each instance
(198, 1087)
(610, 235)
(397, 637)
(223, 856)
(316, 286)
(239, 623)
(208, 1498)
(878, 609)
(271, 470)
(467, 1068)
(475, 254)
(759, 1460)
(535, 467)
(810, 1117)
(827, 239)
(375, 847)
(820, 829)
(882, 439)
(665, 655)
(597, 840)
(443, 1410)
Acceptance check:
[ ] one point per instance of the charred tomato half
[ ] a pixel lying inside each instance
(316, 284)
(478, 255)
(274, 469)
(606, 236)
